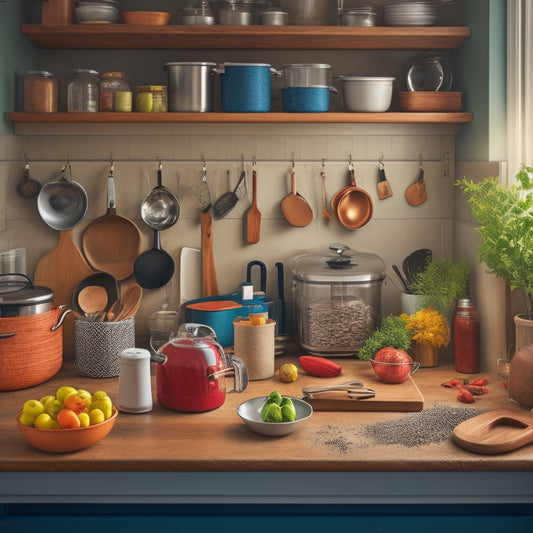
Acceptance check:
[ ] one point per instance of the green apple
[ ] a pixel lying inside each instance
(33, 408)
(98, 395)
(26, 419)
(44, 421)
(52, 407)
(63, 392)
(44, 399)
(103, 404)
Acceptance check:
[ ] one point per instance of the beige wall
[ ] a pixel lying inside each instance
(395, 230)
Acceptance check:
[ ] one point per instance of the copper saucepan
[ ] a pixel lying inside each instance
(352, 205)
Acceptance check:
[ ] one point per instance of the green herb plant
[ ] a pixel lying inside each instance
(442, 282)
(392, 332)
(505, 215)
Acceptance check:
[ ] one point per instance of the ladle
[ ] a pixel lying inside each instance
(160, 209)
(62, 203)
(354, 207)
(82, 299)
(294, 206)
(92, 300)
(28, 187)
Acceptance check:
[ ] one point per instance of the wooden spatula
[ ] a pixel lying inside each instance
(416, 194)
(497, 431)
(253, 217)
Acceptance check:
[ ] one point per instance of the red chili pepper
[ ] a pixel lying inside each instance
(480, 382)
(504, 385)
(476, 390)
(320, 366)
(465, 396)
(453, 384)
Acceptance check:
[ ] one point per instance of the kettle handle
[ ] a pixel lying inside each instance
(240, 374)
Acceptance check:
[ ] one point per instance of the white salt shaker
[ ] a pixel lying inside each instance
(135, 384)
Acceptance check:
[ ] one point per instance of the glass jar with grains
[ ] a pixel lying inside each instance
(83, 91)
(115, 92)
(40, 92)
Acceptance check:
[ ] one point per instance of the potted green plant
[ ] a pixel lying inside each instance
(441, 283)
(505, 215)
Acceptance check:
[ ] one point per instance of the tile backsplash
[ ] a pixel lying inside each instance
(395, 230)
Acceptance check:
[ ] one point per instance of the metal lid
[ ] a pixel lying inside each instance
(307, 65)
(228, 64)
(17, 289)
(190, 64)
(340, 265)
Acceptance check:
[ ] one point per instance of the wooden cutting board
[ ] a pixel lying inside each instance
(61, 269)
(401, 397)
(497, 431)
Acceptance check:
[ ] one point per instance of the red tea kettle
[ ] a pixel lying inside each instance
(192, 370)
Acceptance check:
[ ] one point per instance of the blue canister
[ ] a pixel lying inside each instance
(306, 99)
(246, 87)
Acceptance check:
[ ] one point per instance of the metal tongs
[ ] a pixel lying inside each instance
(355, 389)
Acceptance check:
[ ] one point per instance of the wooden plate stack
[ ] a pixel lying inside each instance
(423, 101)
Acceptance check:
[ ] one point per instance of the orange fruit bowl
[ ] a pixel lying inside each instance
(68, 439)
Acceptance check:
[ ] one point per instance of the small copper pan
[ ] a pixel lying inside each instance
(352, 205)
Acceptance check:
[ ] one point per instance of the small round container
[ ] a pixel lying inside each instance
(135, 385)
(40, 92)
(357, 17)
(337, 299)
(83, 92)
(367, 93)
(96, 13)
(201, 14)
(151, 99)
(271, 17)
(112, 82)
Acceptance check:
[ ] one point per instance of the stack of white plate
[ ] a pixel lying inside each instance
(410, 14)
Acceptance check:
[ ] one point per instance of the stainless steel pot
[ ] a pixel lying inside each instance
(306, 75)
(190, 86)
(20, 297)
(310, 12)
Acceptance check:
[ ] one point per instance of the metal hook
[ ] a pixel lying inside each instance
(292, 159)
(254, 160)
(242, 162)
(323, 163)
(27, 165)
(111, 164)
(420, 164)
(380, 159)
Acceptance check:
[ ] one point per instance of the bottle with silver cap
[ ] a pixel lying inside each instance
(135, 384)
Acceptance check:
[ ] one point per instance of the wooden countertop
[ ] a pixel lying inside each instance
(168, 441)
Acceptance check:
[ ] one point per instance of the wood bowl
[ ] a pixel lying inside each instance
(424, 101)
(146, 18)
(68, 439)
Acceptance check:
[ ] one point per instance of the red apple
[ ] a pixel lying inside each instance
(392, 365)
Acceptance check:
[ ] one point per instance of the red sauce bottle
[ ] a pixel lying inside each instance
(466, 338)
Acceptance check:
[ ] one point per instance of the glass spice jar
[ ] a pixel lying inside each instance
(151, 99)
(40, 92)
(113, 83)
(466, 338)
(83, 91)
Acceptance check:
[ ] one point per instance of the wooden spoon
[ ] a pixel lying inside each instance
(295, 208)
(416, 194)
(92, 299)
(131, 300)
(253, 217)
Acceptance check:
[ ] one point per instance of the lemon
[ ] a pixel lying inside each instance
(85, 419)
(258, 320)
(288, 372)
(144, 102)
(96, 416)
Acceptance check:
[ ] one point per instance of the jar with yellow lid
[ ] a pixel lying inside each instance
(151, 99)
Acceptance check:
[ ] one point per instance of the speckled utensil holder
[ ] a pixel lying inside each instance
(255, 346)
(98, 346)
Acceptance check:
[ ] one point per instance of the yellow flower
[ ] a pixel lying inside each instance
(428, 327)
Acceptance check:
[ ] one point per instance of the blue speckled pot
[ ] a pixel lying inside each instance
(246, 87)
(306, 99)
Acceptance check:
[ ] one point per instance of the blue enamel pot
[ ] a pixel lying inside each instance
(306, 99)
(246, 87)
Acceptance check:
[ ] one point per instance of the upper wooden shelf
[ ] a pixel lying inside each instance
(240, 118)
(123, 36)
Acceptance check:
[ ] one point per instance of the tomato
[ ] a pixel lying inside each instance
(392, 365)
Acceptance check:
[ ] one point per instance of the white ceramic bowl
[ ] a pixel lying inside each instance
(250, 413)
(367, 93)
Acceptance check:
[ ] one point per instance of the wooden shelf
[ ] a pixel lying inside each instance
(123, 36)
(243, 118)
